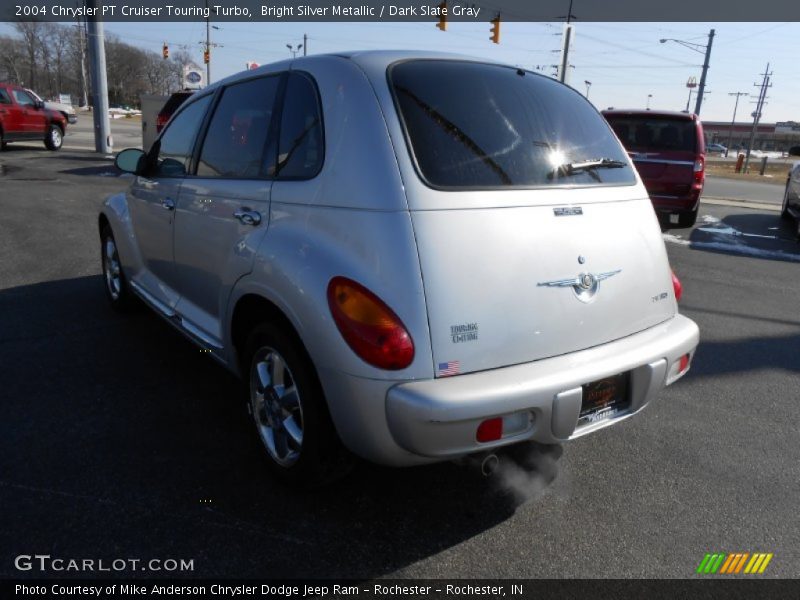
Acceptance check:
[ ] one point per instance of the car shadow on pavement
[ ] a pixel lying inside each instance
(120, 438)
(764, 236)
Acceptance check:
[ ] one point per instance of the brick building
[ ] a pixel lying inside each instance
(769, 136)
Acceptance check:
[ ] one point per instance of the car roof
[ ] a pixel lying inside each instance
(646, 112)
(362, 58)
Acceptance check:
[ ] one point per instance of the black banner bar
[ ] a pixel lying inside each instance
(406, 11)
(707, 587)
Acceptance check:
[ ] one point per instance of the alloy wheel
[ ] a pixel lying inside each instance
(276, 407)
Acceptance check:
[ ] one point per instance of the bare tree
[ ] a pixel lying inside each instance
(12, 59)
(31, 32)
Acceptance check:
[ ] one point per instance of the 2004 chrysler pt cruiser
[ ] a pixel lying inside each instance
(415, 257)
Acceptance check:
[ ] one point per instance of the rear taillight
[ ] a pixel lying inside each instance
(699, 169)
(161, 120)
(369, 327)
(677, 286)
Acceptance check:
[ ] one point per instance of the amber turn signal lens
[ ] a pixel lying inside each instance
(369, 326)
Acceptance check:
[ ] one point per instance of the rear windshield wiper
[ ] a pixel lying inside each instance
(586, 165)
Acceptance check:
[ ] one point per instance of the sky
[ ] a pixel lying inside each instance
(625, 62)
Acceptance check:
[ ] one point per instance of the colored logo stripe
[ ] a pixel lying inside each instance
(731, 564)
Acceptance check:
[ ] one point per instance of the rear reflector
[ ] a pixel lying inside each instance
(679, 368)
(490, 430)
(369, 327)
(677, 286)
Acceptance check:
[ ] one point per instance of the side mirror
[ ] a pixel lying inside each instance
(130, 160)
(38, 104)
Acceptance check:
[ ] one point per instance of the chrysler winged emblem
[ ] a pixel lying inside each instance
(585, 285)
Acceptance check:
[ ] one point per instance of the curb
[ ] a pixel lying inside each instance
(741, 203)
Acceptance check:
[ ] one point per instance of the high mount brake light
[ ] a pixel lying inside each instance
(371, 329)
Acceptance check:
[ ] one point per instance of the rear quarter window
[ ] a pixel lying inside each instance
(480, 126)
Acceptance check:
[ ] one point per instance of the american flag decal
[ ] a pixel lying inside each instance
(446, 369)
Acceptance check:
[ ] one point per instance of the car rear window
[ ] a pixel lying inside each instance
(174, 102)
(475, 125)
(664, 134)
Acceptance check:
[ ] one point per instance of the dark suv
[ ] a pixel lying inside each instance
(24, 118)
(668, 149)
(169, 108)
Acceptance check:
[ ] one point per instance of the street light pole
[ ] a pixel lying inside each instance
(703, 75)
(97, 57)
(588, 87)
(706, 49)
(648, 100)
(293, 50)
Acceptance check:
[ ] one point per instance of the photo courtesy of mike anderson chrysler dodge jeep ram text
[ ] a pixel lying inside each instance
(411, 257)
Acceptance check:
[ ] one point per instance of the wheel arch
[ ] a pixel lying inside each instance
(249, 310)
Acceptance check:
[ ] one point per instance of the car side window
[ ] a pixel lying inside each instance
(23, 98)
(239, 131)
(301, 146)
(177, 142)
(4, 97)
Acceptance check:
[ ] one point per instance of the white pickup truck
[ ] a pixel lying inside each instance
(65, 109)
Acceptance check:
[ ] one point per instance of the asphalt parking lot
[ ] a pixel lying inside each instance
(120, 439)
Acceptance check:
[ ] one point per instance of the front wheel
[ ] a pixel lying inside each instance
(55, 138)
(289, 410)
(116, 286)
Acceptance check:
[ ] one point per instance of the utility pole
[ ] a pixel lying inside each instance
(208, 44)
(97, 54)
(305, 44)
(566, 43)
(733, 120)
(703, 75)
(762, 96)
(207, 54)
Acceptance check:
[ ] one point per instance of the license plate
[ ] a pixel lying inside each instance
(604, 399)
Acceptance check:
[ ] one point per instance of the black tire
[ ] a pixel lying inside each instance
(688, 219)
(785, 206)
(115, 283)
(54, 138)
(319, 458)
(3, 143)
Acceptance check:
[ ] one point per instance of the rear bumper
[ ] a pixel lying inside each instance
(438, 418)
(677, 204)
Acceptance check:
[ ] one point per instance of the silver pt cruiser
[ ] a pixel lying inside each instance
(411, 256)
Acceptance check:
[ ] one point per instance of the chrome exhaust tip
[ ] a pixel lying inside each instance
(489, 465)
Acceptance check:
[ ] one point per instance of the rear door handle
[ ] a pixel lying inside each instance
(168, 204)
(247, 216)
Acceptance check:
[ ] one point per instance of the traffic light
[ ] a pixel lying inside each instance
(165, 51)
(206, 56)
(496, 29)
(442, 24)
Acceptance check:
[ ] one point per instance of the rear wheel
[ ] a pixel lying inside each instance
(688, 219)
(289, 410)
(55, 138)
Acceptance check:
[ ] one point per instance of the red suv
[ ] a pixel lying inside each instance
(23, 118)
(668, 149)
